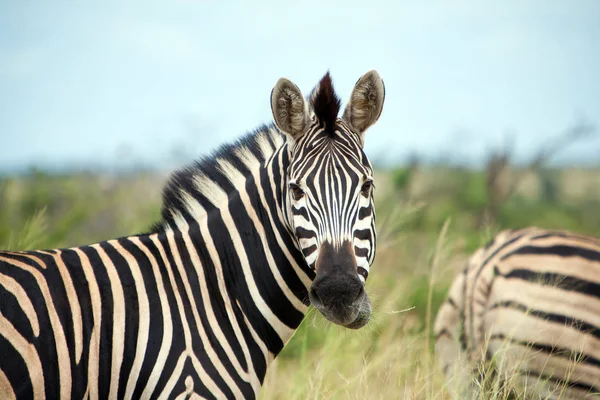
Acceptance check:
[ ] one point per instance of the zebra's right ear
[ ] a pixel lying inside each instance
(366, 102)
(290, 110)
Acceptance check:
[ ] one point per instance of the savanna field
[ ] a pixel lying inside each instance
(429, 220)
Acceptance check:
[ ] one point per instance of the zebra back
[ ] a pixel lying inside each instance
(525, 313)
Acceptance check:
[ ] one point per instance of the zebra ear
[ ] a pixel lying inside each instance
(290, 110)
(366, 102)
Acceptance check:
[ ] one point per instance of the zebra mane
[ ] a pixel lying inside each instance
(193, 190)
(187, 197)
(325, 102)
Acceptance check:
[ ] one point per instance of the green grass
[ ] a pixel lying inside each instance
(425, 236)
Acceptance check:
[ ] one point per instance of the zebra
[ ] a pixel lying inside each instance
(524, 315)
(199, 306)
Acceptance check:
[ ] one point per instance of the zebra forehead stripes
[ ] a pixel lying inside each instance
(333, 154)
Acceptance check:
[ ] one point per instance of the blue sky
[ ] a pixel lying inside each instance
(119, 83)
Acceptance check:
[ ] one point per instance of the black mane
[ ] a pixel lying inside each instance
(326, 106)
(183, 180)
(325, 102)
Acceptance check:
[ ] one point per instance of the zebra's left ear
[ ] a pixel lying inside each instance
(366, 103)
(289, 108)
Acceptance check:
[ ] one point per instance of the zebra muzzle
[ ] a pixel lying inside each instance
(337, 292)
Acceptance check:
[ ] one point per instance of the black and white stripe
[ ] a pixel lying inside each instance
(341, 208)
(200, 306)
(527, 307)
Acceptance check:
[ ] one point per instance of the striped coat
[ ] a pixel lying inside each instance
(525, 312)
(201, 305)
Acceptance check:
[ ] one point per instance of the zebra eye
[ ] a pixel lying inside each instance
(297, 193)
(366, 188)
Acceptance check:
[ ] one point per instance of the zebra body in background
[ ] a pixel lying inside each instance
(527, 309)
(200, 306)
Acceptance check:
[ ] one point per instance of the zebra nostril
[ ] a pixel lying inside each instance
(314, 298)
(360, 294)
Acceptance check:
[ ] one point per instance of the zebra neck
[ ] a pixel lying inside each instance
(233, 209)
(243, 251)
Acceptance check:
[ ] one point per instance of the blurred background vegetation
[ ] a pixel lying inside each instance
(431, 216)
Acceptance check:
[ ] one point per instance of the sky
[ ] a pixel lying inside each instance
(150, 83)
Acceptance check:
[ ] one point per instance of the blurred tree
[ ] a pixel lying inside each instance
(549, 185)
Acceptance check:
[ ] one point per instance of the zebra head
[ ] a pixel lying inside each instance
(330, 206)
